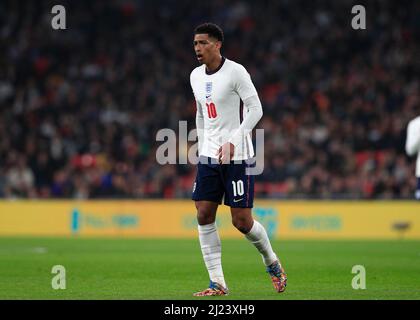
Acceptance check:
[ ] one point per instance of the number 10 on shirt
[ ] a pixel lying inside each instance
(211, 110)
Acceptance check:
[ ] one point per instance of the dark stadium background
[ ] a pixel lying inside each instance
(80, 108)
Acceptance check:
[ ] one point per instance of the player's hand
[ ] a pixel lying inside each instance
(225, 153)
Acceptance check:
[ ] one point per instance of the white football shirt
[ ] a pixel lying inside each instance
(219, 96)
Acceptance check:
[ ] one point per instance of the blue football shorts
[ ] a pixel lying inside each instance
(231, 181)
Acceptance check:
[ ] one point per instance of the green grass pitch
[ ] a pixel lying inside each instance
(174, 269)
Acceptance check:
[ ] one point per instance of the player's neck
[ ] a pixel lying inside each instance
(214, 65)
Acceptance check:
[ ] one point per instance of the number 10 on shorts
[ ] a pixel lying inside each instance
(238, 188)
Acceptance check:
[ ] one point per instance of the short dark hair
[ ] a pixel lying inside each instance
(212, 29)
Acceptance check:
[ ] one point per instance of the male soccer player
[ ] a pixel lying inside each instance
(412, 147)
(228, 108)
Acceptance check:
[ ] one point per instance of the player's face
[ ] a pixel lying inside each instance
(205, 47)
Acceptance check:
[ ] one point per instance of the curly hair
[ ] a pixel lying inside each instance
(213, 30)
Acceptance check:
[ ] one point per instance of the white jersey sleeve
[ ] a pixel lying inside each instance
(199, 122)
(248, 94)
(252, 116)
(412, 144)
(199, 118)
(242, 83)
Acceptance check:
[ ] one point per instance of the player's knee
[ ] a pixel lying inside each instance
(205, 215)
(242, 224)
(204, 218)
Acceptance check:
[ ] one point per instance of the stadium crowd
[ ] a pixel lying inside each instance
(80, 107)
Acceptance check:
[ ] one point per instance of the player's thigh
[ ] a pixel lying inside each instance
(239, 185)
(206, 211)
(208, 185)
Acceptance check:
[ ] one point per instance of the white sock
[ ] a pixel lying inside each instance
(258, 236)
(211, 249)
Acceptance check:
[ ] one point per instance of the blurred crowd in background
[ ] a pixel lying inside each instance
(80, 108)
